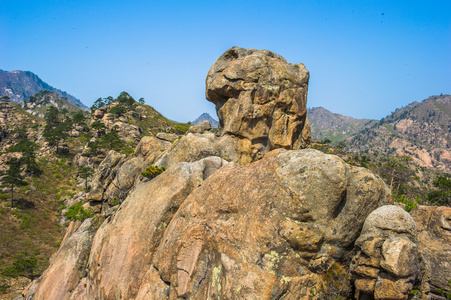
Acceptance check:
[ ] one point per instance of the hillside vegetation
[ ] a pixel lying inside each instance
(54, 157)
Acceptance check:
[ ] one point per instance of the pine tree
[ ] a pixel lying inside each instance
(85, 173)
(13, 176)
(55, 130)
(28, 149)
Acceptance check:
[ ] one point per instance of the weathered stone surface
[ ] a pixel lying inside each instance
(98, 113)
(387, 252)
(200, 128)
(190, 148)
(399, 256)
(243, 234)
(150, 145)
(434, 240)
(67, 265)
(124, 244)
(104, 175)
(390, 287)
(125, 179)
(169, 137)
(261, 100)
(213, 229)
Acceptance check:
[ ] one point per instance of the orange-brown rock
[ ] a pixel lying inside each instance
(261, 102)
(275, 228)
(124, 245)
(67, 264)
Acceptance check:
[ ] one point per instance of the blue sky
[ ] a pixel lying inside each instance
(366, 58)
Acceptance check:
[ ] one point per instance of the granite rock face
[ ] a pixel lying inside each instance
(67, 264)
(270, 229)
(212, 229)
(126, 242)
(261, 102)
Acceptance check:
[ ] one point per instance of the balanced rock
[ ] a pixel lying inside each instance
(260, 100)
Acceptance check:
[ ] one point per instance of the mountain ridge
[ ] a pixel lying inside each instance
(421, 130)
(335, 127)
(20, 85)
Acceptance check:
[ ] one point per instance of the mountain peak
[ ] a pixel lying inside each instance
(206, 117)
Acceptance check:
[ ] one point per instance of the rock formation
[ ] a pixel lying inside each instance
(261, 102)
(217, 229)
(296, 224)
(387, 263)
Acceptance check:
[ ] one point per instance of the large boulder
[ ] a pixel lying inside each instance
(387, 264)
(434, 240)
(151, 146)
(260, 100)
(200, 128)
(270, 229)
(124, 245)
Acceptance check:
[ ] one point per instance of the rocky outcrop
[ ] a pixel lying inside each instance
(434, 241)
(67, 266)
(216, 229)
(387, 263)
(272, 228)
(125, 244)
(104, 175)
(261, 101)
(223, 221)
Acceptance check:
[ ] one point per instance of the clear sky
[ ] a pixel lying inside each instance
(366, 58)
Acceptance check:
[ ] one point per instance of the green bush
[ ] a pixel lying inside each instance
(153, 171)
(77, 212)
(181, 128)
(25, 265)
(410, 205)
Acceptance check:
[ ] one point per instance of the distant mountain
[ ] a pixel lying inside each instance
(38, 103)
(20, 85)
(421, 130)
(334, 127)
(206, 117)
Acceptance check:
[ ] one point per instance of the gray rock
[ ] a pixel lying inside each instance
(434, 241)
(387, 263)
(170, 137)
(200, 128)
